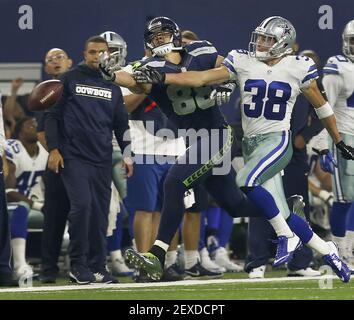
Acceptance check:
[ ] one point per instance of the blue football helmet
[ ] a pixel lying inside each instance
(158, 26)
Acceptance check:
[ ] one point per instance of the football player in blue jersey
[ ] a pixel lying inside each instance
(270, 79)
(191, 109)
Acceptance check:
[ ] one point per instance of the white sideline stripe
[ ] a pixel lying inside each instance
(159, 284)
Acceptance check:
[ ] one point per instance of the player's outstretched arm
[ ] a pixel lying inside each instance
(325, 114)
(150, 75)
(199, 78)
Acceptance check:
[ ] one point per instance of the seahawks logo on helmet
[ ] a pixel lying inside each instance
(158, 26)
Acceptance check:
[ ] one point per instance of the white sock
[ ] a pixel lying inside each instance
(349, 239)
(191, 257)
(134, 245)
(280, 226)
(340, 241)
(18, 246)
(318, 244)
(170, 259)
(116, 255)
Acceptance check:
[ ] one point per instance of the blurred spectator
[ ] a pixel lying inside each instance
(56, 202)
(5, 248)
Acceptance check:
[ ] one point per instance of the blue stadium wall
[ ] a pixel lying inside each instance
(226, 23)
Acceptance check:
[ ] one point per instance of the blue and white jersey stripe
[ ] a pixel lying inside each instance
(311, 74)
(330, 68)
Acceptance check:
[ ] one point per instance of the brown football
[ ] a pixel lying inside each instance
(45, 94)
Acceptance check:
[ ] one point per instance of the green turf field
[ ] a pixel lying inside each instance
(230, 287)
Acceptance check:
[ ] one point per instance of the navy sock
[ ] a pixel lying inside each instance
(159, 253)
(225, 228)
(172, 212)
(338, 218)
(263, 200)
(201, 243)
(19, 222)
(300, 227)
(350, 218)
(213, 215)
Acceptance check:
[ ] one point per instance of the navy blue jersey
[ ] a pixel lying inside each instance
(187, 107)
(80, 124)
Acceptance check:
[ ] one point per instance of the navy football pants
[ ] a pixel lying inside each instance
(186, 174)
(56, 209)
(89, 191)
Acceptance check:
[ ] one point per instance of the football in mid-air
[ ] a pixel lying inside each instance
(45, 94)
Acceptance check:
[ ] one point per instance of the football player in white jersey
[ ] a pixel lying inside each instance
(27, 161)
(338, 82)
(270, 80)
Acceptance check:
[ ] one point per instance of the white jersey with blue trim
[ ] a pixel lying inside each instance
(268, 93)
(338, 82)
(29, 171)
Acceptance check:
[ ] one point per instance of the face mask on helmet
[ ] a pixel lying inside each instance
(348, 47)
(116, 45)
(119, 54)
(261, 46)
(162, 36)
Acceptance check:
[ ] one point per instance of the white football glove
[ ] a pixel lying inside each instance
(108, 65)
(222, 93)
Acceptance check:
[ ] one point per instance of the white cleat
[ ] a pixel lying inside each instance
(24, 271)
(308, 272)
(208, 264)
(222, 259)
(119, 268)
(257, 273)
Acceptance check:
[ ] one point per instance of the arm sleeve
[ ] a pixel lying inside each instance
(53, 116)
(121, 126)
(229, 63)
(332, 84)
(2, 131)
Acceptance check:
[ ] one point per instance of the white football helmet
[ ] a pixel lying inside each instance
(116, 45)
(348, 40)
(273, 38)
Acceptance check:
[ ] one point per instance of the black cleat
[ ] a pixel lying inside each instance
(199, 272)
